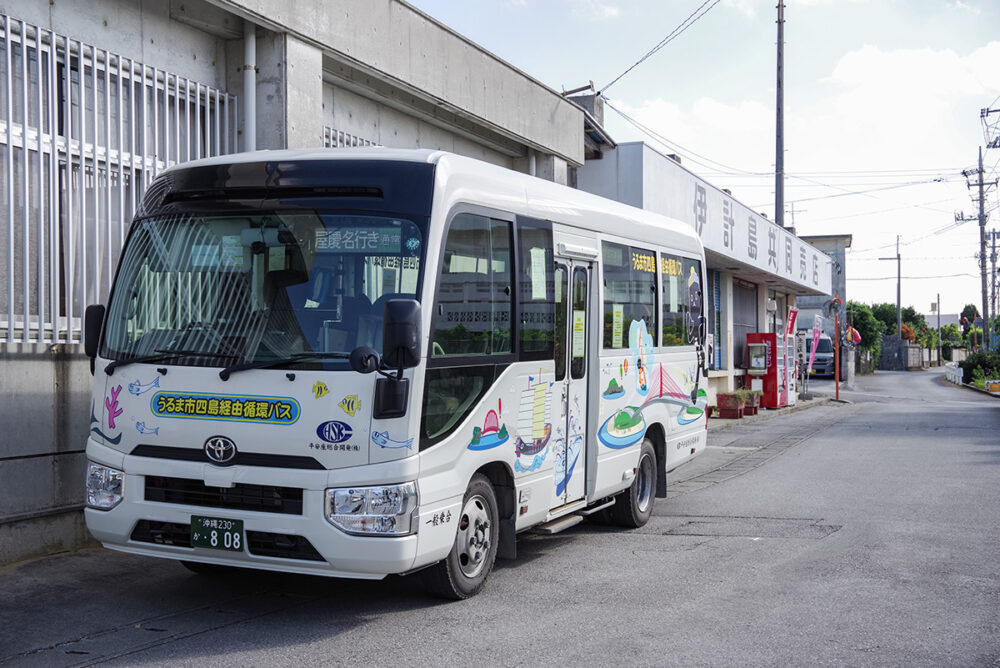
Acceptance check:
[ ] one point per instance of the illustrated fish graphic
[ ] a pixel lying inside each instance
(381, 438)
(137, 388)
(351, 404)
(320, 389)
(143, 429)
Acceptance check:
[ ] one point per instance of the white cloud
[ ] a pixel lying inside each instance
(594, 10)
(958, 4)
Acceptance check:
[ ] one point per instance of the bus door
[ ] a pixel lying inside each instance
(570, 391)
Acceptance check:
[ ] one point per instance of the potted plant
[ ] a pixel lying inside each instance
(731, 404)
(753, 402)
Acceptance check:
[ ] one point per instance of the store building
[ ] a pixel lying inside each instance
(834, 245)
(757, 270)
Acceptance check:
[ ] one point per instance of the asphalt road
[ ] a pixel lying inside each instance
(846, 534)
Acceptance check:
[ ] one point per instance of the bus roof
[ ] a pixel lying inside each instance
(502, 188)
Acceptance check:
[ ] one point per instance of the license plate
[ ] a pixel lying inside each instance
(217, 533)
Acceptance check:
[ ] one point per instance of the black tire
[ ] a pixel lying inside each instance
(461, 575)
(634, 506)
(215, 570)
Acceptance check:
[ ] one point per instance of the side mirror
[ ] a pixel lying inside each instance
(93, 320)
(401, 333)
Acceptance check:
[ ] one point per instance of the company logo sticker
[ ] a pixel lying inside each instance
(334, 431)
(228, 407)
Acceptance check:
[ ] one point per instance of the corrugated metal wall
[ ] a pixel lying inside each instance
(82, 133)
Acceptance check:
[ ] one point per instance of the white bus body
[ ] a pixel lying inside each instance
(554, 365)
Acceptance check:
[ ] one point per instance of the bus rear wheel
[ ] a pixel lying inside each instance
(634, 506)
(462, 573)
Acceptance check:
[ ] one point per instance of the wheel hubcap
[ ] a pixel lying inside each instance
(475, 534)
(644, 484)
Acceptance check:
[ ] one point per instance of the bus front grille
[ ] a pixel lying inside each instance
(241, 496)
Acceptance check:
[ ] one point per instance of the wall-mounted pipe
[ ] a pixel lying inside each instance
(249, 86)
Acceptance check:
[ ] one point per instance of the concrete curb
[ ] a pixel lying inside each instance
(944, 381)
(718, 424)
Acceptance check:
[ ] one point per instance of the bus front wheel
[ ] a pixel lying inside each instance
(634, 506)
(462, 573)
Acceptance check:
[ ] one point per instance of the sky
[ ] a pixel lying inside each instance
(882, 107)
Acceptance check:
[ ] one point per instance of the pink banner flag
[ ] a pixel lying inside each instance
(817, 328)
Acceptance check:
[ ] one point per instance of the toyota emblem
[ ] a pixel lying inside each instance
(220, 450)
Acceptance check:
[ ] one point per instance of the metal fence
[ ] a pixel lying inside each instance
(82, 133)
(339, 139)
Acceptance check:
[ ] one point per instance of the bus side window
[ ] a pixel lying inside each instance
(629, 292)
(536, 309)
(472, 323)
(682, 299)
(472, 313)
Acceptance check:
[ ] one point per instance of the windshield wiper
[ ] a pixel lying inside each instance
(161, 354)
(291, 359)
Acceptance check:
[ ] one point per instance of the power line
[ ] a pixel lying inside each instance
(673, 146)
(674, 34)
(910, 278)
(848, 193)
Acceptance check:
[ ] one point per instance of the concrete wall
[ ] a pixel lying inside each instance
(149, 31)
(45, 414)
(391, 41)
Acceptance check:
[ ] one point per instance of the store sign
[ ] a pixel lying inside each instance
(730, 228)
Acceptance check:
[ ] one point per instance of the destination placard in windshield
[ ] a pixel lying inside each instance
(372, 240)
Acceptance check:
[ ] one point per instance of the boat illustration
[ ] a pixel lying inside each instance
(534, 412)
(490, 435)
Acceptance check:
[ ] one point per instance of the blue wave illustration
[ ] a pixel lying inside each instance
(536, 462)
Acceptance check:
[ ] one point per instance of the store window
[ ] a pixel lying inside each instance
(744, 318)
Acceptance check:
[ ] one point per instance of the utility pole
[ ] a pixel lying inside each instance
(779, 148)
(939, 327)
(899, 284)
(993, 273)
(982, 243)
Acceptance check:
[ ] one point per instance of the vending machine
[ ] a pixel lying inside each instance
(773, 366)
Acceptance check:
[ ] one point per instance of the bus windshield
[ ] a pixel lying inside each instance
(269, 285)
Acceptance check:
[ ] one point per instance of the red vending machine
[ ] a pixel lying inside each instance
(773, 376)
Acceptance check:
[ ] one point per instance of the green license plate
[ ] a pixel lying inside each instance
(217, 533)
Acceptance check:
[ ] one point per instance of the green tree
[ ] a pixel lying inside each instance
(886, 314)
(869, 327)
(951, 338)
(914, 319)
(969, 313)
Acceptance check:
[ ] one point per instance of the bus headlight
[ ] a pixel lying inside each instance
(105, 486)
(383, 510)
